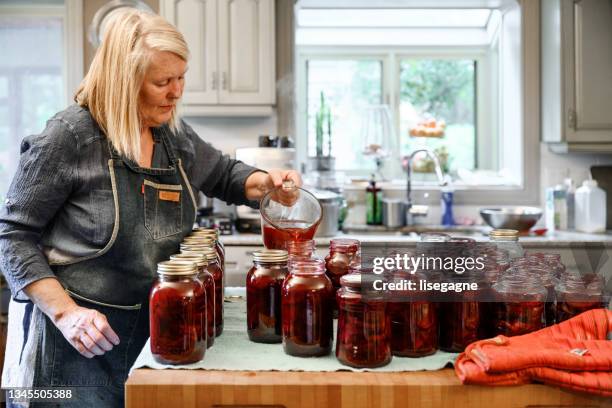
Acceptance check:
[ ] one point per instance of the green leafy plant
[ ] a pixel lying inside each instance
(323, 122)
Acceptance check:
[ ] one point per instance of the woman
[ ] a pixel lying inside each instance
(101, 195)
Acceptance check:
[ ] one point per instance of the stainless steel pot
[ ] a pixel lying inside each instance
(332, 204)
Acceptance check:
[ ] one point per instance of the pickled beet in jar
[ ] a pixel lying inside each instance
(213, 268)
(364, 329)
(343, 253)
(520, 303)
(461, 317)
(306, 310)
(175, 315)
(414, 322)
(209, 286)
(577, 294)
(537, 267)
(264, 284)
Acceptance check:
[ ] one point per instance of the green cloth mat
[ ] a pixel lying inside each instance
(234, 351)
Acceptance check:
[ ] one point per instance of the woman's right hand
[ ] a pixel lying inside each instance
(87, 330)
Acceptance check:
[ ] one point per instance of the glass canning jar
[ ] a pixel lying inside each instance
(579, 293)
(306, 310)
(176, 314)
(214, 234)
(461, 315)
(507, 240)
(536, 266)
(364, 329)
(264, 282)
(343, 253)
(213, 268)
(301, 250)
(209, 286)
(414, 320)
(520, 302)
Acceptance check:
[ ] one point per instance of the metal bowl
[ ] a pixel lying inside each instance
(518, 218)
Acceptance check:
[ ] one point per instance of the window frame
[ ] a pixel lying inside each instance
(391, 58)
(527, 192)
(71, 13)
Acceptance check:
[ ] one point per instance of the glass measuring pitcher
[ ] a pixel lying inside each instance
(288, 213)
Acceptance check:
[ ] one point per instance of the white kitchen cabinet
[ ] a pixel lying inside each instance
(577, 75)
(232, 65)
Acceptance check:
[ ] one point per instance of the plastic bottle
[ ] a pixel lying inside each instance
(590, 208)
(570, 192)
(446, 201)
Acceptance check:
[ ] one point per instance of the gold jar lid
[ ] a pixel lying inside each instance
(194, 246)
(504, 234)
(175, 268)
(212, 232)
(198, 258)
(209, 253)
(270, 256)
(205, 239)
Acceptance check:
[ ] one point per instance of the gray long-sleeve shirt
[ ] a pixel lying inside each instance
(61, 197)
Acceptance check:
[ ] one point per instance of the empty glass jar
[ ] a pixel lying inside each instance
(176, 315)
(264, 284)
(306, 310)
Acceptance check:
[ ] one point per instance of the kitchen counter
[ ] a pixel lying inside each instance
(556, 239)
(206, 389)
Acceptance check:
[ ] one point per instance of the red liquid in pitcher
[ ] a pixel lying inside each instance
(277, 238)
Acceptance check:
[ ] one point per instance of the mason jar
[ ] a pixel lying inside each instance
(176, 315)
(306, 310)
(264, 283)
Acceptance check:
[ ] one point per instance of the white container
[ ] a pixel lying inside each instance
(590, 206)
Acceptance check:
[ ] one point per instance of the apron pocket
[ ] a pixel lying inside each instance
(102, 201)
(162, 208)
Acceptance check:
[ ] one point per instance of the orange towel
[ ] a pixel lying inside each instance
(573, 354)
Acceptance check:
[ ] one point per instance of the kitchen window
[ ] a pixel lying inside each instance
(453, 80)
(36, 79)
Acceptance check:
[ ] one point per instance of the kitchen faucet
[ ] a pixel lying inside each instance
(441, 180)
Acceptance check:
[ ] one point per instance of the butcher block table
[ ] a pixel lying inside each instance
(147, 388)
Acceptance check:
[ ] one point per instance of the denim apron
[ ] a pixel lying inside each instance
(154, 209)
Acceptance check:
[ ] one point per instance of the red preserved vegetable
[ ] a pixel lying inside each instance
(577, 294)
(364, 330)
(306, 310)
(343, 254)
(264, 284)
(460, 317)
(414, 321)
(176, 316)
(520, 306)
(213, 268)
(209, 286)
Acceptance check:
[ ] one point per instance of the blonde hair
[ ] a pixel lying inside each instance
(111, 88)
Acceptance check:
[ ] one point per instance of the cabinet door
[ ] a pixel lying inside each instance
(588, 62)
(197, 21)
(246, 52)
